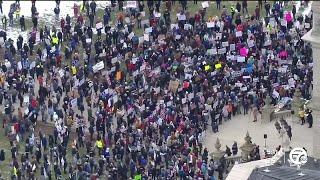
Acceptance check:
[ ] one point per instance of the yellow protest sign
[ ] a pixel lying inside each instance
(217, 66)
(207, 67)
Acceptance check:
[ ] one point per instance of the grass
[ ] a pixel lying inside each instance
(192, 8)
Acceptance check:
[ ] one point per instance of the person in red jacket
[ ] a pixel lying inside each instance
(75, 10)
(80, 19)
(62, 23)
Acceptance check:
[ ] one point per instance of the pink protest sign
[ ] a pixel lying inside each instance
(288, 17)
(244, 52)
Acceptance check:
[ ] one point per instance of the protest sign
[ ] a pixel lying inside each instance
(174, 26)
(187, 26)
(232, 47)
(210, 24)
(225, 44)
(131, 4)
(130, 36)
(73, 102)
(114, 60)
(148, 30)
(205, 4)
(218, 36)
(173, 85)
(238, 33)
(181, 17)
(99, 25)
(98, 66)
(241, 59)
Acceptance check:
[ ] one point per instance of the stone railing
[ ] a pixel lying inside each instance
(281, 114)
(231, 160)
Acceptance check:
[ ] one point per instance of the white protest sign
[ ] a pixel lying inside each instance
(157, 90)
(238, 33)
(181, 17)
(19, 65)
(218, 36)
(81, 82)
(275, 94)
(190, 96)
(222, 51)
(238, 84)
(61, 72)
(26, 99)
(307, 25)
(283, 22)
(178, 36)
(251, 43)
(212, 51)
(272, 22)
(127, 20)
(210, 24)
(225, 44)
(156, 14)
(73, 102)
(174, 26)
(88, 40)
(244, 88)
(146, 37)
(141, 39)
(99, 25)
(131, 4)
(130, 36)
(267, 43)
(205, 4)
(1, 41)
(188, 76)
(232, 47)
(148, 30)
(98, 66)
(187, 26)
(108, 3)
(184, 100)
(282, 70)
(241, 59)
(114, 60)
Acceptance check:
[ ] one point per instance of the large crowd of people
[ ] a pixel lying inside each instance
(123, 104)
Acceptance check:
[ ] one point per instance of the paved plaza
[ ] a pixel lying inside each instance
(236, 128)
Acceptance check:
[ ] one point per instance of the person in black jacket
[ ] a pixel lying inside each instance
(93, 7)
(22, 23)
(2, 155)
(234, 148)
(309, 118)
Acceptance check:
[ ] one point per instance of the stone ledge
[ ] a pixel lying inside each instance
(315, 40)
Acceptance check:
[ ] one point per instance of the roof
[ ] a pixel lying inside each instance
(284, 173)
